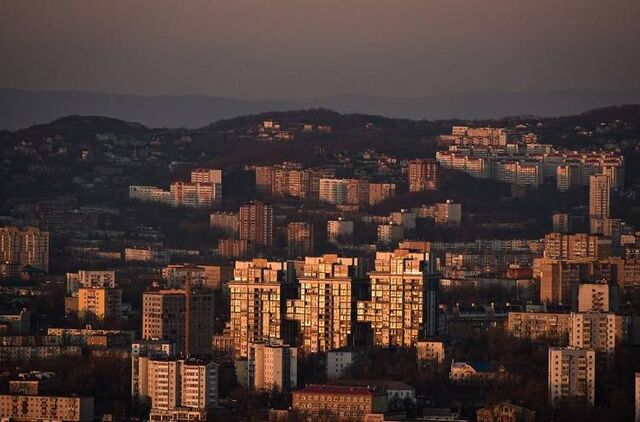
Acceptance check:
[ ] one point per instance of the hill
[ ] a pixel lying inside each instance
(24, 108)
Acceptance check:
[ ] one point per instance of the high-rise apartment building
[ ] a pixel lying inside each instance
(25, 247)
(572, 374)
(257, 295)
(181, 316)
(272, 365)
(565, 176)
(423, 175)
(403, 305)
(599, 201)
(324, 306)
(596, 331)
(90, 278)
(99, 302)
(210, 276)
(256, 224)
(299, 239)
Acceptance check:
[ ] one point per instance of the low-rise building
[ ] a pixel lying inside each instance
(430, 353)
(476, 372)
(342, 402)
(46, 408)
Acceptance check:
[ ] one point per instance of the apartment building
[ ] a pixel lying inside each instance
(596, 331)
(572, 374)
(324, 306)
(182, 316)
(25, 247)
(403, 304)
(539, 325)
(272, 365)
(340, 231)
(599, 201)
(448, 213)
(157, 349)
(256, 224)
(574, 246)
(257, 295)
(380, 192)
(226, 222)
(46, 408)
(423, 175)
(210, 276)
(100, 303)
(430, 353)
(90, 278)
(300, 239)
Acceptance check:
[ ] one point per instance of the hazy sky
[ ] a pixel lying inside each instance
(307, 48)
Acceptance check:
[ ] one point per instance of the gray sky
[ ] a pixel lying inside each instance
(308, 48)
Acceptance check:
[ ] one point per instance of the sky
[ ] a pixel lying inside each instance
(279, 49)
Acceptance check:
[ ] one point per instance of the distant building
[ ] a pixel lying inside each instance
(430, 353)
(147, 255)
(15, 322)
(211, 276)
(300, 239)
(505, 412)
(49, 408)
(25, 247)
(339, 231)
(90, 278)
(423, 175)
(539, 325)
(448, 213)
(572, 374)
(476, 372)
(256, 224)
(380, 192)
(233, 248)
(389, 234)
(195, 195)
(150, 194)
(599, 201)
(228, 223)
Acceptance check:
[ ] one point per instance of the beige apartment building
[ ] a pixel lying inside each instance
(571, 374)
(596, 331)
(272, 365)
(573, 246)
(325, 302)
(257, 303)
(46, 408)
(537, 325)
(172, 384)
(397, 310)
(380, 192)
(101, 303)
(342, 402)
